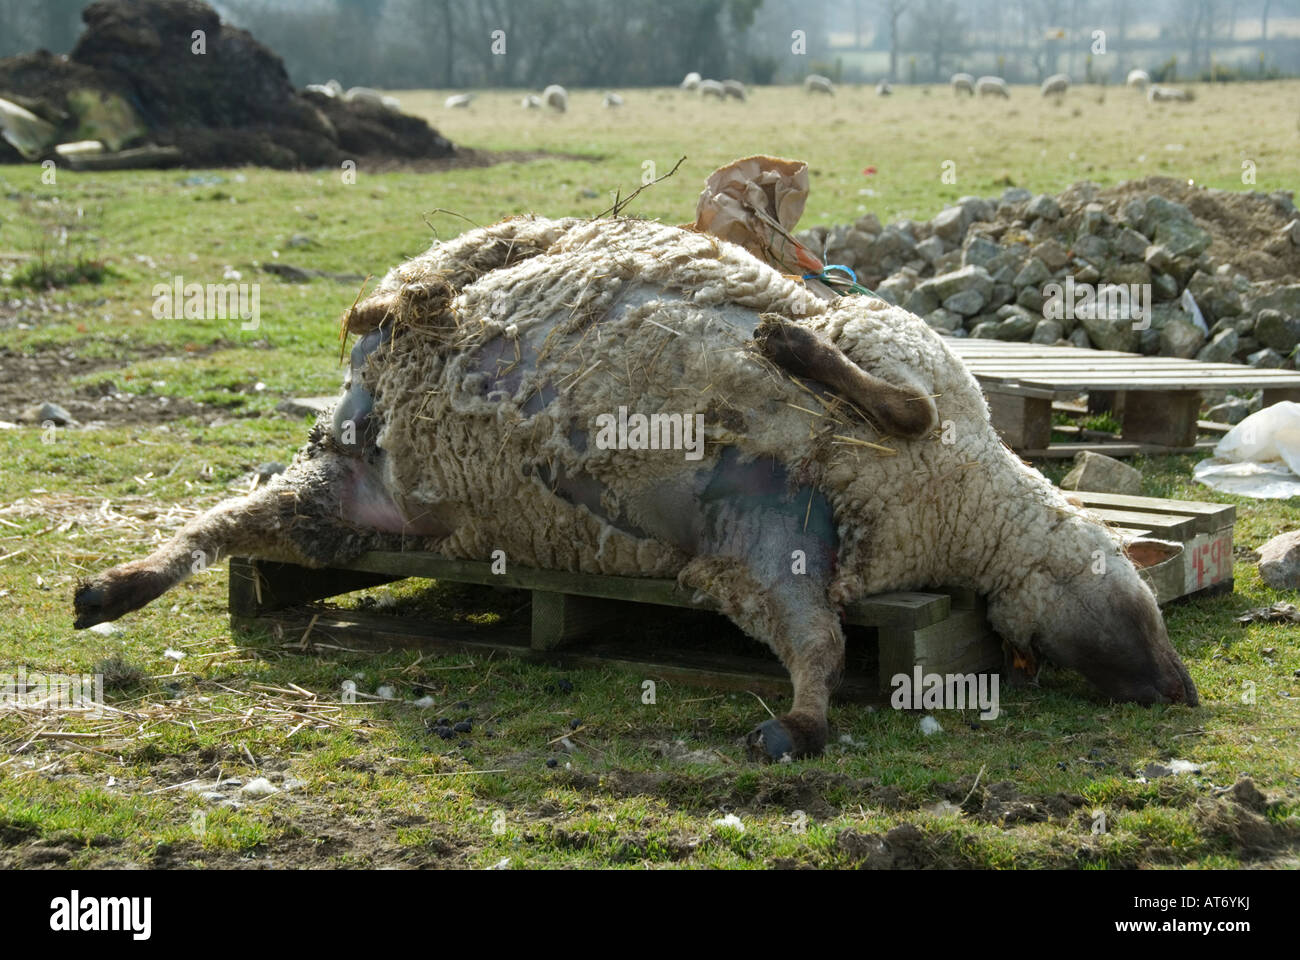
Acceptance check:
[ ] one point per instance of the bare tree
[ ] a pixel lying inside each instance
(893, 11)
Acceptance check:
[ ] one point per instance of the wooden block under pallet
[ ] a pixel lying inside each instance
(1167, 418)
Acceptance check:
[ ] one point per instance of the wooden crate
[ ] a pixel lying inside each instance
(1156, 399)
(1204, 530)
(575, 622)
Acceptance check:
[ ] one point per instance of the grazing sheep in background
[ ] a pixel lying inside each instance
(1138, 79)
(734, 88)
(365, 95)
(711, 88)
(611, 100)
(476, 417)
(816, 83)
(531, 102)
(324, 89)
(962, 83)
(459, 101)
(691, 81)
(1057, 85)
(335, 86)
(992, 87)
(556, 97)
(884, 89)
(1158, 94)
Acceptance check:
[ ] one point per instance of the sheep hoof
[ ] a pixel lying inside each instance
(787, 738)
(115, 593)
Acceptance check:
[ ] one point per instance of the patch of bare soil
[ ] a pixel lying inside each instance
(28, 380)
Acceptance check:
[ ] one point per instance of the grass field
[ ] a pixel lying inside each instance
(188, 412)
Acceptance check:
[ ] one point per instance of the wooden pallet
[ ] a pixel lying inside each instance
(1157, 399)
(576, 618)
(945, 632)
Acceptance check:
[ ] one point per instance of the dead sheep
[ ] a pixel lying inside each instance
(479, 413)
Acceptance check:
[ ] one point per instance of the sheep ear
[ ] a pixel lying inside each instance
(795, 348)
(1151, 553)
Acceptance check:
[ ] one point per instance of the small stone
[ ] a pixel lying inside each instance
(1131, 244)
(1034, 274)
(1043, 206)
(967, 303)
(930, 726)
(1231, 411)
(268, 470)
(49, 413)
(945, 321)
(1279, 561)
(979, 251)
(931, 250)
(1097, 473)
(950, 224)
(552, 762)
(464, 726)
(1266, 359)
(1275, 329)
(1159, 258)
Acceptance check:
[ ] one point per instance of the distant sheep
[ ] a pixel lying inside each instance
(884, 89)
(992, 87)
(734, 88)
(1138, 79)
(365, 95)
(962, 83)
(816, 83)
(711, 88)
(1169, 95)
(1057, 85)
(324, 89)
(459, 101)
(691, 81)
(556, 97)
(531, 102)
(612, 100)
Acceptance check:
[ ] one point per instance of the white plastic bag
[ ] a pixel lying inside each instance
(1259, 457)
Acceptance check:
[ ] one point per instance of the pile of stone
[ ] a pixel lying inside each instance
(1222, 268)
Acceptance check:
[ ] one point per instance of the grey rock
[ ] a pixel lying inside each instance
(1092, 249)
(1048, 332)
(268, 470)
(1111, 333)
(1043, 206)
(931, 249)
(1233, 411)
(306, 406)
(959, 281)
(1031, 298)
(1221, 348)
(1097, 473)
(1094, 220)
(1173, 226)
(979, 251)
(1158, 257)
(1163, 286)
(1180, 337)
(950, 224)
(1131, 244)
(1003, 293)
(1017, 328)
(967, 303)
(1079, 338)
(1279, 561)
(869, 223)
(944, 321)
(922, 301)
(986, 331)
(1034, 274)
(978, 209)
(1086, 272)
(1275, 329)
(1266, 359)
(1129, 273)
(1292, 232)
(895, 288)
(1052, 253)
(1016, 195)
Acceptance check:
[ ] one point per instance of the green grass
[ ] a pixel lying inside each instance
(378, 788)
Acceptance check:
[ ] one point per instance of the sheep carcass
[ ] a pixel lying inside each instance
(498, 399)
